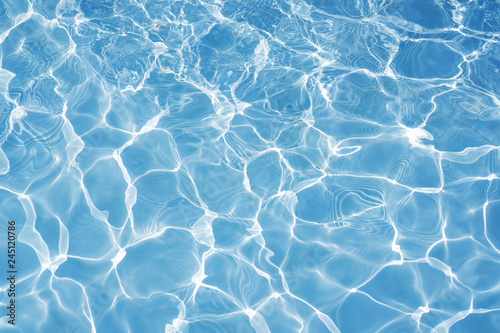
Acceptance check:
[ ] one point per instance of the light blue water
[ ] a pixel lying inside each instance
(251, 165)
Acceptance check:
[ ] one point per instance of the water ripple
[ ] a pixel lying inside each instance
(252, 166)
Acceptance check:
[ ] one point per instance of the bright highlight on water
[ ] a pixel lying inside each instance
(249, 166)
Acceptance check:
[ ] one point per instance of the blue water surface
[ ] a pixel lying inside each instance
(251, 165)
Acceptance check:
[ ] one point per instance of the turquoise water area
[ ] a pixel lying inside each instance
(251, 165)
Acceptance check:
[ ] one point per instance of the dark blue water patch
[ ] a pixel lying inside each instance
(485, 71)
(319, 198)
(416, 104)
(228, 233)
(426, 13)
(95, 9)
(452, 171)
(101, 181)
(86, 231)
(126, 59)
(484, 282)
(343, 128)
(17, 87)
(492, 228)
(212, 302)
(292, 136)
(261, 14)
(172, 249)
(157, 151)
(426, 59)
(220, 38)
(106, 137)
(411, 218)
(15, 7)
(290, 101)
(269, 127)
(163, 200)
(216, 183)
(42, 95)
(6, 109)
(247, 90)
(467, 44)
(207, 66)
(265, 174)
(356, 314)
(342, 7)
(157, 9)
(134, 11)
(46, 8)
(286, 95)
(194, 12)
(40, 47)
(66, 11)
(232, 280)
(225, 67)
(138, 315)
(188, 143)
(101, 43)
(356, 53)
(185, 109)
(121, 113)
(399, 292)
(478, 321)
(244, 136)
(458, 115)
(422, 171)
(6, 20)
(70, 73)
(116, 25)
(221, 325)
(264, 18)
(361, 97)
(465, 224)
(482, 15)
(90, 96)
(247, 44)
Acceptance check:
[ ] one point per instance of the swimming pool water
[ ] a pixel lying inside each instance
(250, 165)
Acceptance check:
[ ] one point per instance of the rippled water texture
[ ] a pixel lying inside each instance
(251, 165)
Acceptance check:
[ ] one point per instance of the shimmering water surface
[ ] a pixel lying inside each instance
(251, 165)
